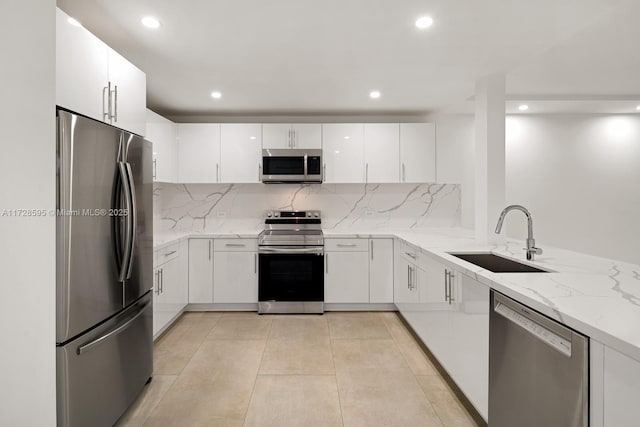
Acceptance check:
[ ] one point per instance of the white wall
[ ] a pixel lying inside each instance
(580, 178)
(27, 253)
(455, 158)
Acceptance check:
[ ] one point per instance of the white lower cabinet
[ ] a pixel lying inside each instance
(169, 287)
(200, 271)
(450, 313)
(235, 275)
(381, 270)
(621, 390)
(346, 272)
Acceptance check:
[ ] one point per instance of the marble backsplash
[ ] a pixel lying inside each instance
(201, 208)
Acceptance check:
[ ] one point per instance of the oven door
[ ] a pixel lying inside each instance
(291, 275)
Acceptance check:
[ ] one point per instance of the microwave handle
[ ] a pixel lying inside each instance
(306, 165)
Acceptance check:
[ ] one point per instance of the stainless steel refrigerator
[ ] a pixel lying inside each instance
(104, 270)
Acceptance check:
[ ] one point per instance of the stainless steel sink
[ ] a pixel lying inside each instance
(496, 263)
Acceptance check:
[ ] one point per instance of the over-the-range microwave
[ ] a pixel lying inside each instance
(291, 165)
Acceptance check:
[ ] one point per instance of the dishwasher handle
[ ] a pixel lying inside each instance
(551, 333)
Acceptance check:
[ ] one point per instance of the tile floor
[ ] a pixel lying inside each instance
(338, 369)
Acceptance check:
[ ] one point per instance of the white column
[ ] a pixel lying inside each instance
(28, 181)
(489, 154)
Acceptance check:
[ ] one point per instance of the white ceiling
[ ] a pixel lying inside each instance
(323, 57)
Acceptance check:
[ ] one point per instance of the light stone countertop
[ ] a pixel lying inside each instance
(596, 296)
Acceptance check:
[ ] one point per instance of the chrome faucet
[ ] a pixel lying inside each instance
(531, 243)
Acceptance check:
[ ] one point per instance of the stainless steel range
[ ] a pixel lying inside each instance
(291, 263)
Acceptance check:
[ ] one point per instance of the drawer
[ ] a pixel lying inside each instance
(409, 252)
(235, 245)
(346, 245)
(168, 253)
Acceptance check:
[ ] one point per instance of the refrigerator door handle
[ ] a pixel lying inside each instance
(132, 216)
(92, 344)
(126, 257)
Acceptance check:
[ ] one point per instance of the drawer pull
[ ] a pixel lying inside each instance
(346, 245)
(170, 253)
(411, 255)
(235, 245)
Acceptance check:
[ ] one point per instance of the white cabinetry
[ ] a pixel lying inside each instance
(163, 134)
(450, 313)
(169, 288)
(343, 152)
(240, 153)
(381, 270)
(381, 152)
(94, 80)
(200, 271)
(236, 271)
(198, 152)
(417, 152)
(298, 135)
(621, 389)
(346, 278)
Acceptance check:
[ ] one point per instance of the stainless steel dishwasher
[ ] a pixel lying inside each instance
(538, 369)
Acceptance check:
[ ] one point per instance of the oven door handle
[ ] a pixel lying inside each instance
(289, 250)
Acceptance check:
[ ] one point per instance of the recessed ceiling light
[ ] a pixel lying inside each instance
(347, 137)
(638, 108)
(252, 138)
(74, 22)
(216, 95)
(523, 107)
(150, 22)
(374, 94)
(424, 22)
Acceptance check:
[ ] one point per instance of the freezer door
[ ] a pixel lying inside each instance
(88, 290)
(138, 158)
(100, 373)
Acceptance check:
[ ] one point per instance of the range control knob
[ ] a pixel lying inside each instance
(309, 214)
(276, 214)
(268, 214)
(316, 214)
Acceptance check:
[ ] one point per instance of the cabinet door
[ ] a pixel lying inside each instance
(306, 136)
(163, 134)
(382, 152)
(346, 277)
(200, 271)
(129, 94)
(235, 277)
(81, 68)
(381, 270)
(469, 365)
(621, 389)
(172, 290)
(277, 135)
(198, 152)
(240, 153)
(417, 152)
(343, 152)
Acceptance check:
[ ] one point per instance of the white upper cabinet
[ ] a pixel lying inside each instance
(297, 135)
(240, 153)
(79, 83)
(382, 152)
(163, 134)
(417, 152)
(198, 152)
(94, 80)
(343, 152)
(128, 94)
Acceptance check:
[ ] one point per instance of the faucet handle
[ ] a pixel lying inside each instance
(537, 251)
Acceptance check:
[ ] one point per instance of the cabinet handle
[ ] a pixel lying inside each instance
(259, 172)
(162, 280)
(409, 277)
(158, 282)
(366, 173)
(404, 174)
(155, 164)
(346, 245)
(326, 263)
(324, 171)
(371, 243)
(105, 111)
(217, 172)
(295, 138)
(209, 250)
(255, 263)
(115, 104)
(170, 253)
(411, 255)
(446, 285)
(451, 276)
(235, 245)
(289, 139)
